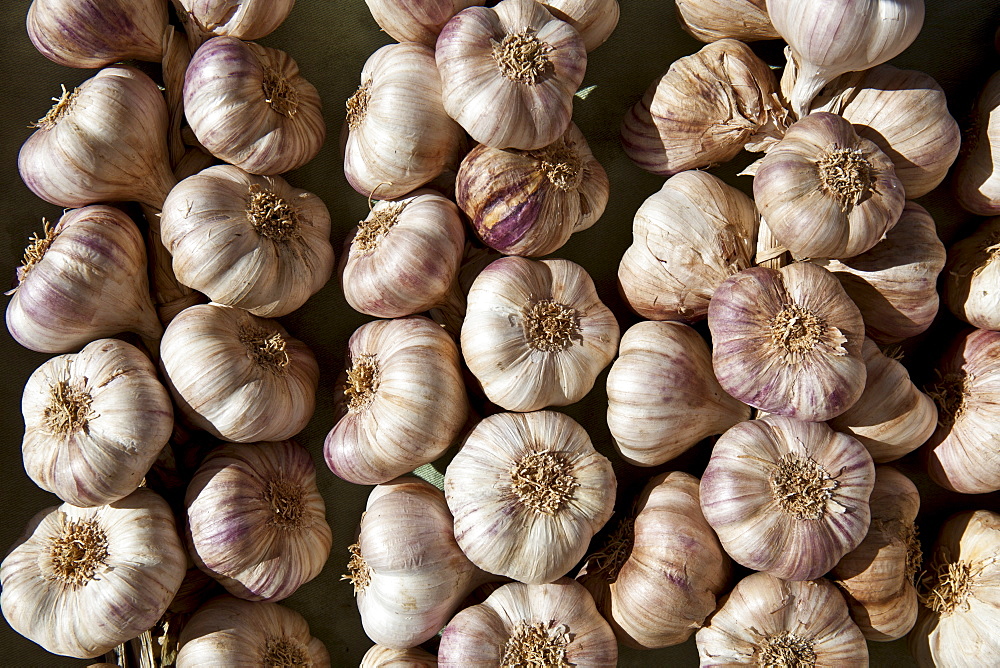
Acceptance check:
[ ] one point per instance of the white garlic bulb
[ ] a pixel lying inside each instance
(91, 33)
(972, 275)
(239, 377)
(536, 334)
(830, 38)
(408, 573)
(81, 581)
(657, 577)
(528, 492)
(401, 404)
(227, 631)
(386, 657)
(416, 20)
(94, 422)
(977, 178)
(82, 280)
(788, 497)
(712, 20)
(508, 73)
(554, 625)
(404, 257)
(595, 20)
(398, 134)
(249, 106)
(105, 140)
(256, 520)
(246, 19)
(253, 242)
(688, 237)
(663, 396)
(766, 621)
(788, 341)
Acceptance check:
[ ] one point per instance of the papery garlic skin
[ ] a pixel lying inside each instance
(788, 341)
(766, 621)
(94, 422)
(688, 237)
(237, 376)
(248, 241)
(256, 520)
(977, 177)
(663, 396)
(246, 19)
(229, 631)
(595, 20)
(712, 20)
(972, 276)
(509, 73)
(105, 140)
(401, 404)
(416, 20)
(894, 283)
(549, 624)
(407, 524)
(93, 33)
(249, 106)
(529, 203)
(891, 417)
(386, 657)
(963, 454)
(536, 334)
(657, 578)
(788, 497)
(82, 280)
(81, 581)
(398, 134)
(825, 191)
(878, 577)
(957, 622)
(528, 492)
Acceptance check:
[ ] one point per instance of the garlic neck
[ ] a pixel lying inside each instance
(38, 246)
(949, 586)
(536, 644)
(550, 326)
(543, 481)
(75, 556)
(359, 574)
(266, 349)
(950, 393)
(357, 105)
(287, 502)
(786, 650)
(362, 382)
(522, 57)
(561, 165)
(372, 230)
(271, 215)
(62, 107)
(284, 652)
(846, 175)
(801, 487)
(69, 409)
(616, 551)
(914, 555)
(279, 93)
(797, 331)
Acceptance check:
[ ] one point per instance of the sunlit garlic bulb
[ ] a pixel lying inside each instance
(972, 276)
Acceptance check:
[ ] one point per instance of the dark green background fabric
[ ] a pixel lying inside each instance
(330, 40)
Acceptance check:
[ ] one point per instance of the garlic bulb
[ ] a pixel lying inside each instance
(398, 134)
(825, 191)
(94, 422)
(82, 280)
(788, 497)
(404, 257)
(249, 106)
(528, 492)
(103, 141)
(971, 277)
(508, 73)
(402, 403)
(386, 657)
(254, 242)
(958, 618)
(878, 576)
(529, 203)
(536, 334)
(905, 113)
(663, 396)
(712, 20)
(831, 38)
(82, 580)
(237, 376)
(765, 621)
(688, 237)
(977, 178)
(229, 632)
(892, 417)
(788, 341)
(256, 520)
(95, 34)
(705, 110)
(416, 20)
(894, 283)
(595, 20)
(409, 574)
(554, 625)
(246, 19)
(962, 454)
(656, 578)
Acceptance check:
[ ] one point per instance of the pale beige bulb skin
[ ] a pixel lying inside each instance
(972, 275)
(595, 20)
(977, 177)
(94, 422)
(386, 657)
(712, 20)
(657, 577)
(416, 20)
(227, 631)
(246, 19)
(81, 581)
